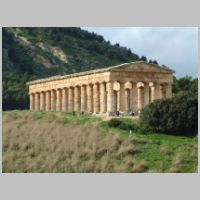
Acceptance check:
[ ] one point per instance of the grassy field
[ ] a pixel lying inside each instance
(61, 142)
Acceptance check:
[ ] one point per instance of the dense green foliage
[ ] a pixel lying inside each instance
(178, 115)
(26, 56)
(187, 84)
(124, 124)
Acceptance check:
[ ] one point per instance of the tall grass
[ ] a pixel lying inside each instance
(61, 142)
(32, 143)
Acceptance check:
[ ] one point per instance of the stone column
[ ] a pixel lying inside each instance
(48, 101)
(53, 100)
(58, 100)
(146, 94)
(168, 90)
(102, 98)
(140, 98)
(153, 92)
(135, 98)
(126, 99)
(118, 100)
(83, 98)
(157, 91)
(109, 86)
(162, 92)
(76, 99)
(70, 99)
(96, 98)
(32, 103)
(37, 101)
(64, 99)
(42, 101)
(122, 96)
(89, 98)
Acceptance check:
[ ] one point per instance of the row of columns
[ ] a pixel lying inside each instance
(100, 97)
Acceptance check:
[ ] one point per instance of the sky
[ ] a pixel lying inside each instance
(175, 47)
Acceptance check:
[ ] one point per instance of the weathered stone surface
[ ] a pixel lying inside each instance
(127, 87)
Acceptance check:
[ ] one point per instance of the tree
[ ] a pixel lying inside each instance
(144, 58)
(155, 62)
(186, 83)
(178, 115)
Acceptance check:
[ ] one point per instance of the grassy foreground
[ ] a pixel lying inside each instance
(61, 142)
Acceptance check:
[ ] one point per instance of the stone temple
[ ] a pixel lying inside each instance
(127, 87)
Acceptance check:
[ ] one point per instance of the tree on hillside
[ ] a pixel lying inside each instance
(155, 62)
(144, 58)
(187, 84)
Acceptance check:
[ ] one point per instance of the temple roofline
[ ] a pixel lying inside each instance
(112, 68)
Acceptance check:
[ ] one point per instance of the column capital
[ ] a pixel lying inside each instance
(140, 84)
(128, 85)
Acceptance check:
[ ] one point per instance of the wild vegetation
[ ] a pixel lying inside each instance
(178, 115)
(61, 142)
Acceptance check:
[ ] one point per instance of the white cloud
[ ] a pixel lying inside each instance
(176, 47)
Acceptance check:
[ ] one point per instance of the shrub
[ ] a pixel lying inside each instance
(178, 115)
(124, 124)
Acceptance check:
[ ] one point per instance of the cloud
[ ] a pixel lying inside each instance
(176, 47)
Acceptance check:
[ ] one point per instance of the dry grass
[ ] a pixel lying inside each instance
(164, 150)
(31, 145)
(61, 142)
(176, 163)
(139, 166)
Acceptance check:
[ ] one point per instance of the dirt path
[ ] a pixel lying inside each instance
(106, 118)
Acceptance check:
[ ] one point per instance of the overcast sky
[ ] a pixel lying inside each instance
(176, 47)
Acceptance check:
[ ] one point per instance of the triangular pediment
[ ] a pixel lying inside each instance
(141, 67)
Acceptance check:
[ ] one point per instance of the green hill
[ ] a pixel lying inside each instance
(32, 53)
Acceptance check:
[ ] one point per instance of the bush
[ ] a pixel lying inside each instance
(178, 115)
(124, 124)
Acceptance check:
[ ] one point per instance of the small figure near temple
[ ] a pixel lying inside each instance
(117, 113)
(132, 114)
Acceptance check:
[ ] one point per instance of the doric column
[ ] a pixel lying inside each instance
(96, 98)
(122, 96)
(146, 94)
(140, 98)
(70, 99)
(53, 100)
(162, 91)
(64, 99)
(126, 99)
(118, 100)
(76, 98)
(37, 101)
(134, 98)
(157, 91)
(153, 92)
(83, 98)
(102, 98)
(89, 98)
(48, 100)
(42, 101)
(109, 86)
(58, 100)
(32, 103)
(168, 90)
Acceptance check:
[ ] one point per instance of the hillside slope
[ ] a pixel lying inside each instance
(32, 53)
(61, 142)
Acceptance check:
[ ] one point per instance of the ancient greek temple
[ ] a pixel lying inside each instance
(127, 87)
